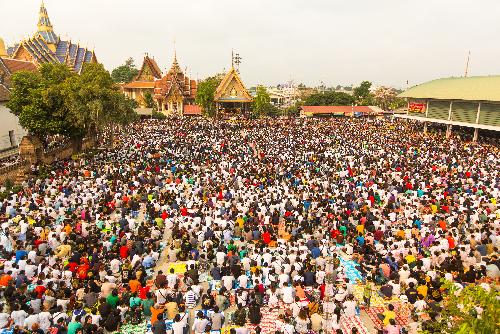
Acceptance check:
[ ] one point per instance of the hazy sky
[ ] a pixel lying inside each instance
(337, 42)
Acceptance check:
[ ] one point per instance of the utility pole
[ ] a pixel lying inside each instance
(467, 65)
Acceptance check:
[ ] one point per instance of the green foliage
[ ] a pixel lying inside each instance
(329, 99)
(58, 101)
(362, 94)
(158, 115)
(205, 94)
(471, 310)
(39, 101)
(148, 98)
(96, 101)
(261, 105)
(386, 98)
(126, 72)
(293, 110)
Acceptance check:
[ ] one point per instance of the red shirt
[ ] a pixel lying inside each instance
(334, 233)
(124, 252)
(451, 242)
(266, 237)
(72, 266)
(143, 291)
(82, 271)
(378, 235)
(184, 212)
(40, 290)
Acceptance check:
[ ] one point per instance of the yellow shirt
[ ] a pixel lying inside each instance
(360, 228)
(410, 259)
(388, 315)
(422, 290)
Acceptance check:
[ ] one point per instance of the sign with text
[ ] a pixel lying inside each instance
(417, 107)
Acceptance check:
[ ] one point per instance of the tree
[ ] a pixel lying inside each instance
(96, 101)
(58, 101)
(329, 99)
(148, 99)
(126, 72)
(205, 94)
(39, 99)
(362, 94)
(261, 105)
(293, 110)
(471, 310)
(387, 99)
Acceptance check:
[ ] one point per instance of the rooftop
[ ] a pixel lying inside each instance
(480, 88)
(339, 109)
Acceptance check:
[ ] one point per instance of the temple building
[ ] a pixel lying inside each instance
(47, 47)
(144, 81)
(175, 91)
(231, 96)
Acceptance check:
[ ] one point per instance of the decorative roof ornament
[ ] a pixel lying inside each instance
(235, 61)
(44, 27)
(3, 50)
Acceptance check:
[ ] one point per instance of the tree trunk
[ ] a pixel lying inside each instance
(112, 137)
(76, 143)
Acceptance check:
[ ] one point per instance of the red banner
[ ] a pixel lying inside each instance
(417, 107)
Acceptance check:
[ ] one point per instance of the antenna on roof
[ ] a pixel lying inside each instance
(467, 65)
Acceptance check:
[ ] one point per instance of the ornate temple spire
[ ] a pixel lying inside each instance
(175, 65)
(44, 27)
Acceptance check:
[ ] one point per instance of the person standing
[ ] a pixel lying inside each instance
(159, 327)
(367, 292)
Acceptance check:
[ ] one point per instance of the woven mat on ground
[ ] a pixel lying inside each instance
(353, 274)
(135, 329)
(179, 267)
(402, 315)
(348, 323)
(372, 313)
(268, 321)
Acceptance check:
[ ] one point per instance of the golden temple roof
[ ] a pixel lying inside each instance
(232, 89)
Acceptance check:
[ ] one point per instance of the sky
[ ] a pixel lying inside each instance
(388, 42)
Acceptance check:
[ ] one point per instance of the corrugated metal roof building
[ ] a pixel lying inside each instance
(468, 101)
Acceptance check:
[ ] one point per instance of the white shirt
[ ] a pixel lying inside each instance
(18, 317)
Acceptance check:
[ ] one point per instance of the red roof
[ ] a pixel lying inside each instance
(192, 109)
(336, 109)
(139, 84)
(14, 65)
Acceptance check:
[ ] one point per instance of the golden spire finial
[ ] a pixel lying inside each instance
(175, 52)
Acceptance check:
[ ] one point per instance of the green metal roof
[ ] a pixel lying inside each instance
(483, 88)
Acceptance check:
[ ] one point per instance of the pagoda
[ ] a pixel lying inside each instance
(231, 96)
(45, 46)
(175, 91)
(144, 82)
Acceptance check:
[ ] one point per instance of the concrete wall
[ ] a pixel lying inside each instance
(9, 122)
(13, 172)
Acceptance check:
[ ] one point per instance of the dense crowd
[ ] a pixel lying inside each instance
(198, 226)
